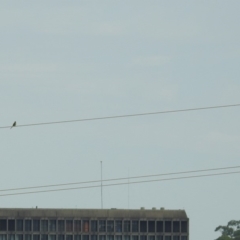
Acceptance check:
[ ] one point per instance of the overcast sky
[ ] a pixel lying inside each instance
(63, 60)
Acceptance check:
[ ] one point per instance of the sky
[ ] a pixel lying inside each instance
(64, 60)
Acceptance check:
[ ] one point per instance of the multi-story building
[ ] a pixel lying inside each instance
(93, 224)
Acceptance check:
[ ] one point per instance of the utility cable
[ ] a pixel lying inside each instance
(119, 179)
(124, 116)
(117, 184)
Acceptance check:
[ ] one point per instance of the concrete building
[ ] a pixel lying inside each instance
(93, 224)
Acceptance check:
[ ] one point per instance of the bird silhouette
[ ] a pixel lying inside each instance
(14, 125)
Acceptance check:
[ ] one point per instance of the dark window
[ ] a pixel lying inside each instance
(160, 226)
(52, 225)
(44, 237)
(168, 226)
(3, 237)
(11, 237)
(77, 226)
(11, 225)
(168, 238)
(93, 237)
(19, 237)
(52, 237)
(85, 237)
(151, 237)
(85, 226)
(159, 237)
(44, 225)
(134, 237)
(36, 237)
(3, 225)
(176, 237)
(143, 226)
(69, 226)
(102, 237)
(28, 225)
(28, 237)
(94, 226)
(184, 227)
(143, 237)
(151, 226)
(110, 237)
(102, 226)
(118, 237)
(19, 225)
(184, 238)
(61, 237)
(135, 226)
(118, 226)
(176, 227)
(69, 237)
(110, 226)
(77, 237)
(61, 226)
(126, 226)
(126, 237)
(36, 225)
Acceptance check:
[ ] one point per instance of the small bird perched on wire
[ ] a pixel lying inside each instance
(14, 125)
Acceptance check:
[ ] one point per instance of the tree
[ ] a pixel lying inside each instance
(230, 232)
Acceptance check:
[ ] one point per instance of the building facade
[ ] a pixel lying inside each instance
(93, 224)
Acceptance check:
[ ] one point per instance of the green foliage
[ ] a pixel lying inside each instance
(230, 232)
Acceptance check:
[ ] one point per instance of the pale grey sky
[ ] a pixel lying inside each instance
(62, 60)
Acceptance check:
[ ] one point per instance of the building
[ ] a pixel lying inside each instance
(93, 224)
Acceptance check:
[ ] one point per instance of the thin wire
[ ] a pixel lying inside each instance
(124, 116)
(117, 184)
(119, 179)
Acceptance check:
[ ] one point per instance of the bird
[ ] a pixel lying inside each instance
(14, 125)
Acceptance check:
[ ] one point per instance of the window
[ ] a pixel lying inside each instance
(3, 237)
(19, 225)
(77, 237)
(19, 237)
(184, 238)
(11, 237)
(160, 226)
(85, 226)
(143, 237)
(176, 237)
(135, 226)
(85, 237)
(184, 227)
(126, 237)
(93, 237)
(102, 237)
(126, 226)
(28, 225)
(61, 226)
(102, 225)
(94, 226)
(118, 237)
(77, 226)
(52, 237)
(44, 237)
(143, 226)
(52, 225)
(134, 237)
(151, 226)
(36, 225)
(44, 225)
(28, 237)
(160, 237)
(118, 226)
(11, 225)
(3, 225)
(110, 237)
(61, 237)
(168, 226)
(151, 237)
(69, 226)
(168, 238)
(110, 226)
(36, 237)
(176, 227)
(69, 237)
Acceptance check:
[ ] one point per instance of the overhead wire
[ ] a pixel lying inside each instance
(124, 116)
(117, 184)
(119, 179)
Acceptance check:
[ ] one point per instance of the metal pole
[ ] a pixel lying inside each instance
(101, 188)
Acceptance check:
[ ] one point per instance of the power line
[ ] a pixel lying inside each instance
(125, 116)
(117, 184)
(119, 179)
